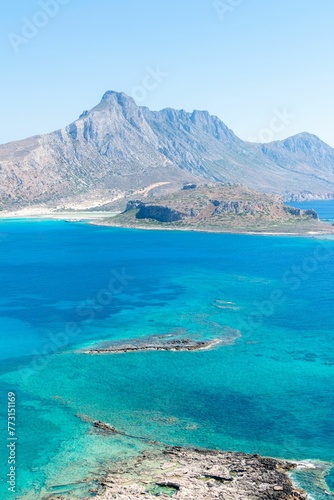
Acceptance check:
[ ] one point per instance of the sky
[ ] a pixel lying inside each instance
(265, 68)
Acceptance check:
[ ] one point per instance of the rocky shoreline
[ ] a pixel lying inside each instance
(193, 474)
(196, 474)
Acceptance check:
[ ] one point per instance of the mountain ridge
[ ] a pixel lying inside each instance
(118, 146)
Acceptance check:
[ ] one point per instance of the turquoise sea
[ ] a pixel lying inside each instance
(65, 286)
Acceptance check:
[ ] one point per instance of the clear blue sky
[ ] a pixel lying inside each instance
(257, 59)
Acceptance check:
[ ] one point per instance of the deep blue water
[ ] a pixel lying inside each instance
(325, 209)
(64, 286)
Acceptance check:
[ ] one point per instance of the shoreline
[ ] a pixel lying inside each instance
(97, 218)
(72, 216)
(193, 473)
(308, 234)
(184, 345)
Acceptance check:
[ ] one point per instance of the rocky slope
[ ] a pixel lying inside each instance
(108, 151)
(219, 208)
(306, 155)
(119, 147)
(203, 145)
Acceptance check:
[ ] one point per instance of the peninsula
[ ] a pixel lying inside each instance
(218, 208)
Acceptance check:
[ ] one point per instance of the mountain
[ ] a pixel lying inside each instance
(304, 156)
(106, 152)
(118, 148)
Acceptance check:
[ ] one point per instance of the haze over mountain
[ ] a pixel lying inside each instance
(118, 148)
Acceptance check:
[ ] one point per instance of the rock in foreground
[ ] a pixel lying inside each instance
(193, 474)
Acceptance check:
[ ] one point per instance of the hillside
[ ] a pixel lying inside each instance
(219, 208)
(118, 147)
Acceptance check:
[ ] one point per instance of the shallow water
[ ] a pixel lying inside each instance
(271, 392)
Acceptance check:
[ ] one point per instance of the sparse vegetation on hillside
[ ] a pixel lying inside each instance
(219, 208)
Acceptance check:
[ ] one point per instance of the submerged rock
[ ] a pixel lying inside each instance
(105, 427)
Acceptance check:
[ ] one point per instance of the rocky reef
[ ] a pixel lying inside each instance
(193, 474)
(159, 343)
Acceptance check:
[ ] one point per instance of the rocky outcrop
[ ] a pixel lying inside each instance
(105, 427)
(311, 213)
(154, 212)
(132, 205)
(159, 213)
(193, 474)
(167, 214)
(298, 212)
(236, 207)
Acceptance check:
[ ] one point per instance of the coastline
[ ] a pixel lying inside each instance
(190, 473)
(70, 215)
(308, 234)
(97, 219)
(185, 345)
(193, 473)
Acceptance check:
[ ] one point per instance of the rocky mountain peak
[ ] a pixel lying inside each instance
(211, 124)
(120, 98)
(120, 146)
(303, 141)
(304, 151)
